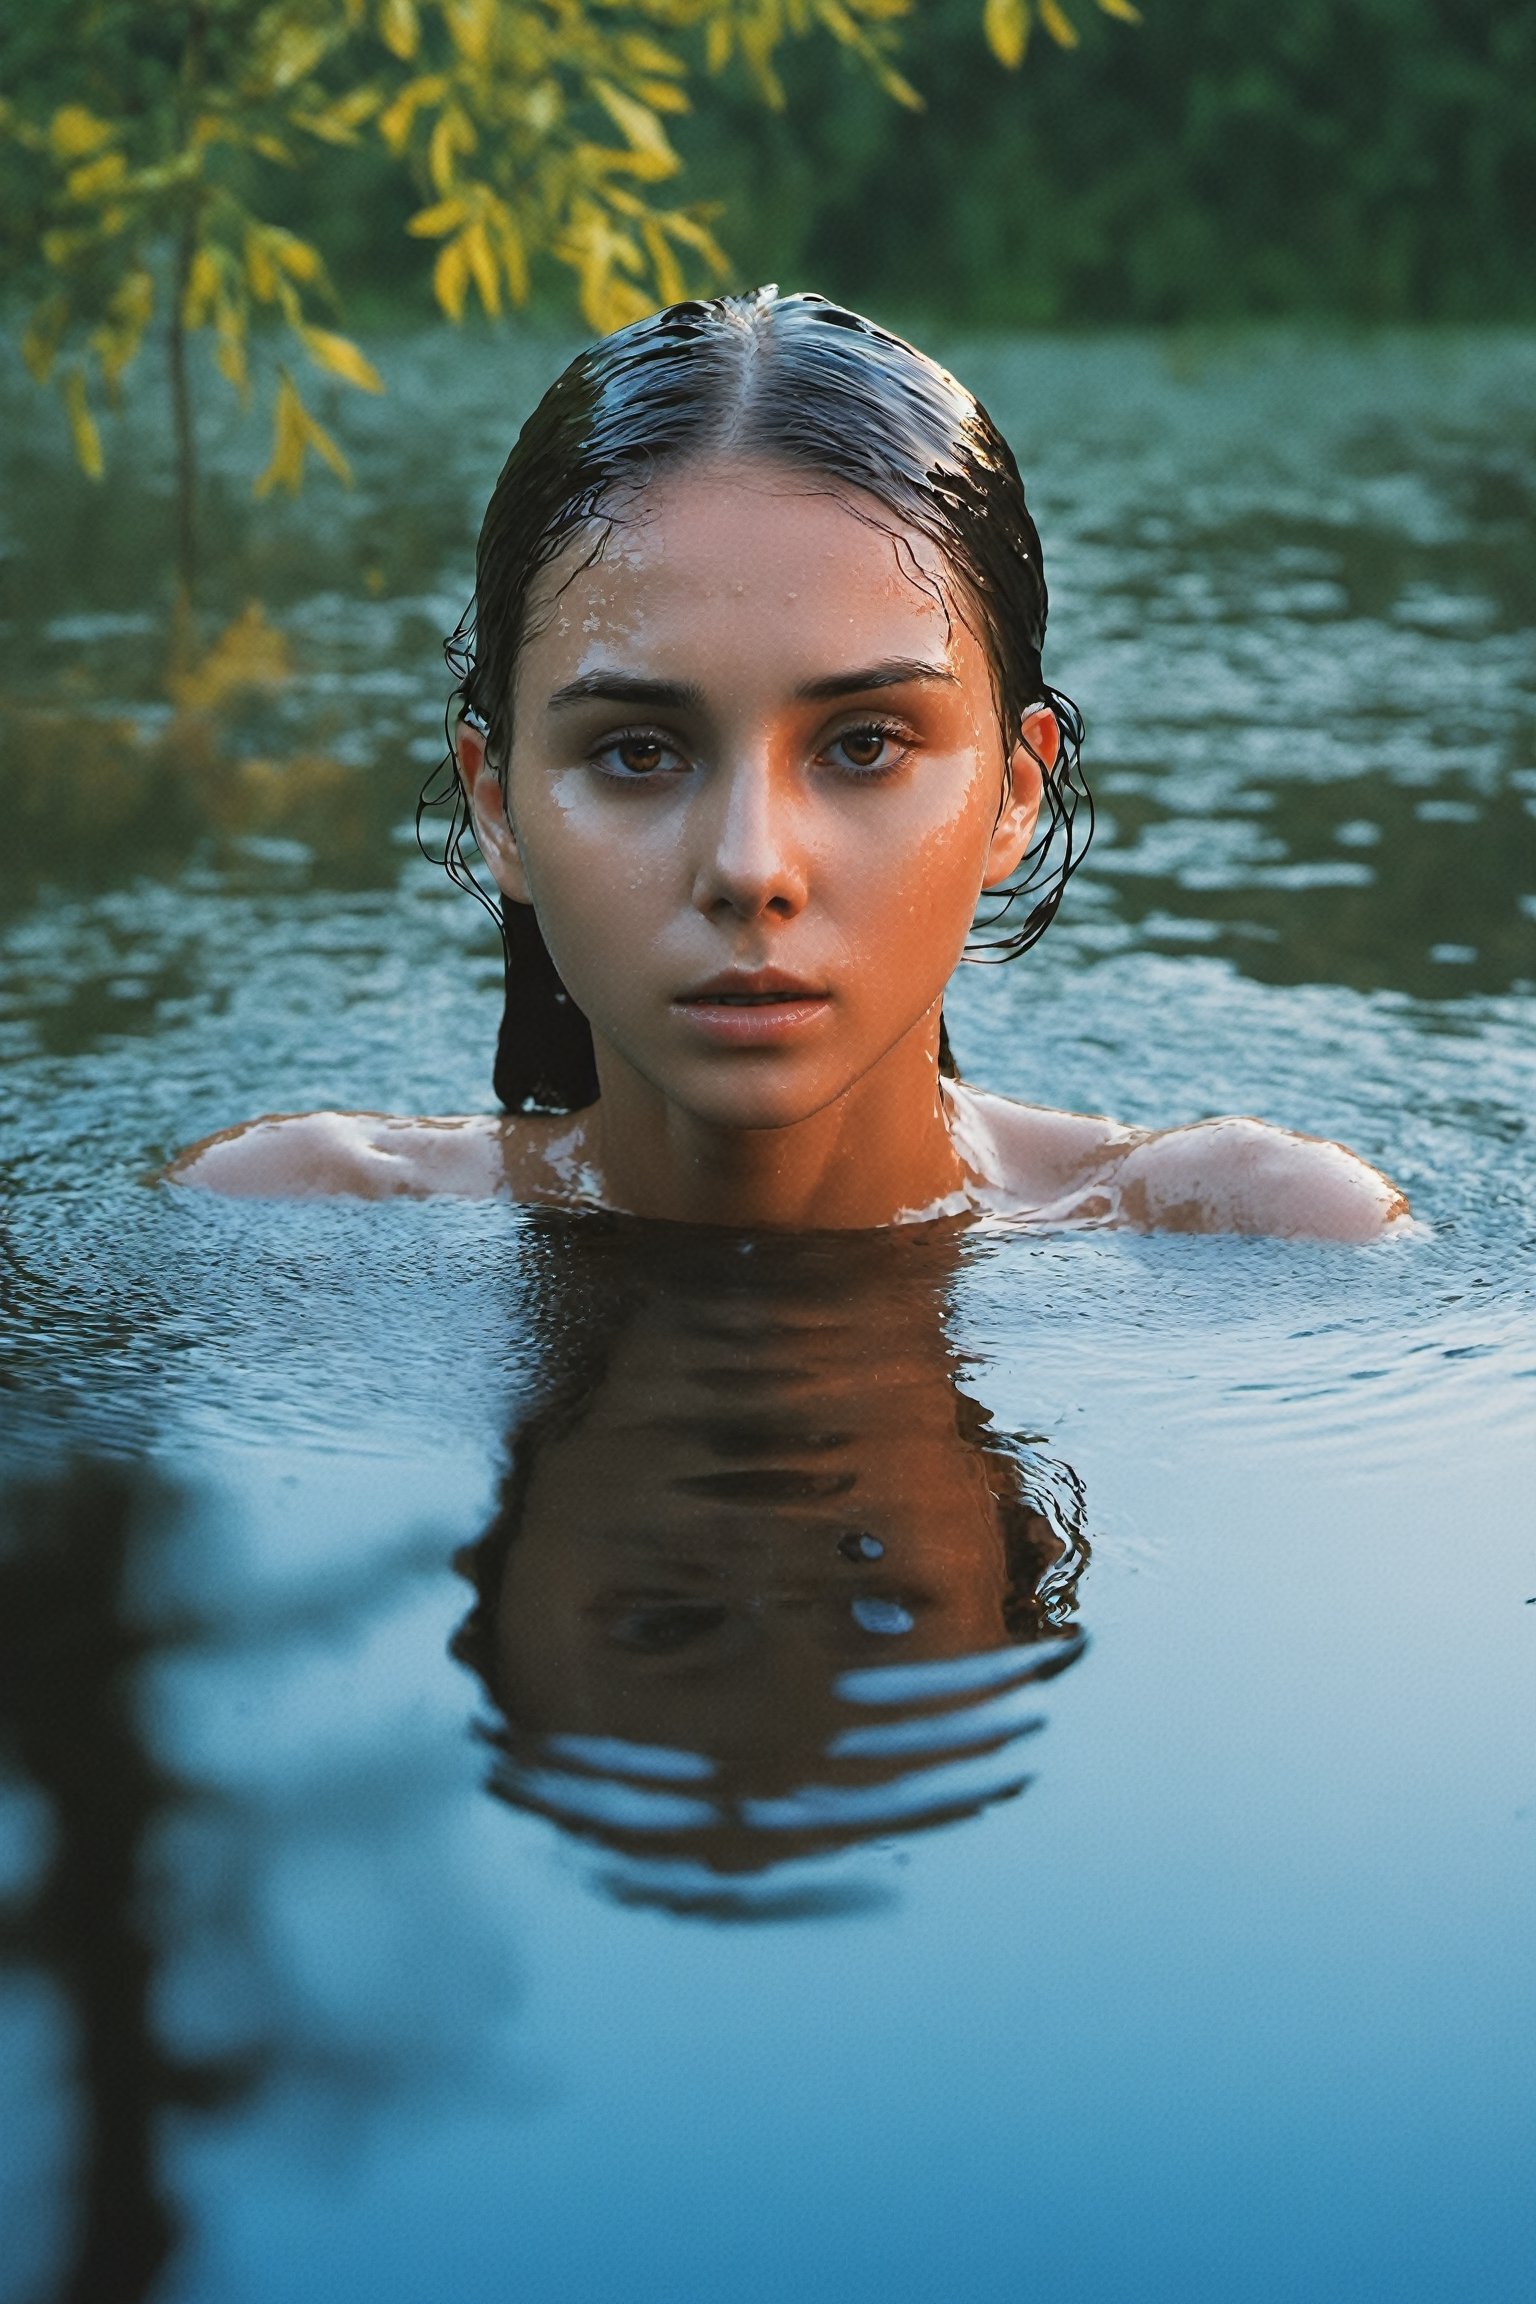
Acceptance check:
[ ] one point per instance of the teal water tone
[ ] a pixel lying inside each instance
(984, 1764)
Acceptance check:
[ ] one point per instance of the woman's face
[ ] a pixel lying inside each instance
(756, 786)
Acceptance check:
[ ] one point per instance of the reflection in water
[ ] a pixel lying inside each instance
(763, 1582)
(70, 1655)
(173, 1886)
(764, 1586)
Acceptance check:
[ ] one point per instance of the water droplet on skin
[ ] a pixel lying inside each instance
(857, 1546)
(887, 1616)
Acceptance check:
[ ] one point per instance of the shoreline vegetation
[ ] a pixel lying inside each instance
(250, 178)
(1221, 162)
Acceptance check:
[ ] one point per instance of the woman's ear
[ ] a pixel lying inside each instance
(488, 810)
(1033, 759)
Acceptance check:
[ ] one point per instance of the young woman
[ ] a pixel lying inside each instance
(750, 721)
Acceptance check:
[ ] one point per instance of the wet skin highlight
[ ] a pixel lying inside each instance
(756, 786)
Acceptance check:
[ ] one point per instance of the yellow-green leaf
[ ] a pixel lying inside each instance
(133, 300)
(470, 25)
(643, 55)
(400, 28)
(229, 352)
(96, 176)
(1006, 25)
(636, 122)
(896, 86)
(293, 51)
(482, 266)
(598, 163)
(671, 287)
(453, 135)
(756, 41)
(285, 468)
(74, 131)
(117, 341)
(514, 257)
(1059, 25)
(326, 449)
(719, 40)
(450, 277)
(398, 119)
(82, 425)
(442, 217)
(326, 126)
(260, 270)
(294, 431)
(688, 225)
(1122, 10)
(341, 357)
(298, 258)
(203, 282)
(662, 96)
(358, 105)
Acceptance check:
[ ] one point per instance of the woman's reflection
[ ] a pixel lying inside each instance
(764, 1581)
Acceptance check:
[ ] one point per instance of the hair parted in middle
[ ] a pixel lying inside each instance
(798, 381)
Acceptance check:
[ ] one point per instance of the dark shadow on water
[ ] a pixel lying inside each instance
(764, 1585)
(72, 1649)
(136, 1908)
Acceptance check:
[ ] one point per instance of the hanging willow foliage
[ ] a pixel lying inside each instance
(136, 138)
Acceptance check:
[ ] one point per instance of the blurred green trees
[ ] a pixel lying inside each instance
(1369, 158)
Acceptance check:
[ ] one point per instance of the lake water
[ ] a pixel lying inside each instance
(566, 1759)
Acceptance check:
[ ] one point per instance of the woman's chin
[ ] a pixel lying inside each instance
(747, 1094)
(756, 1107)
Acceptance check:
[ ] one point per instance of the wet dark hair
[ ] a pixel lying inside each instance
(802, 382)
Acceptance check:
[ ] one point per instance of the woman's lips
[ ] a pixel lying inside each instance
(744, 1010)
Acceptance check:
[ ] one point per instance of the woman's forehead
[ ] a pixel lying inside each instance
(736, 552)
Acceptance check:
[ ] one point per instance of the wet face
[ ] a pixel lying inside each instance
(756, 786)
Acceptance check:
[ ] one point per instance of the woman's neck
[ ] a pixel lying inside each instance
(880, 1151)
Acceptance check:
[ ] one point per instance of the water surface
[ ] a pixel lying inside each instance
(982, 1764)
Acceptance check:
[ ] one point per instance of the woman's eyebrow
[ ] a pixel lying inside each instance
(626, 688)
(895, 672)
(614, 687)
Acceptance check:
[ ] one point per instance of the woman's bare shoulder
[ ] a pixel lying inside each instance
(383, 1156)
(1032, 1153)
(1245, 1175)
(1228, 1175)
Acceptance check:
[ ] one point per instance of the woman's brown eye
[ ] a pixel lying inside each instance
(641, 755)
(862, 747)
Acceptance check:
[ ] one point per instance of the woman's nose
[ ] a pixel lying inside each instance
(749, 855)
